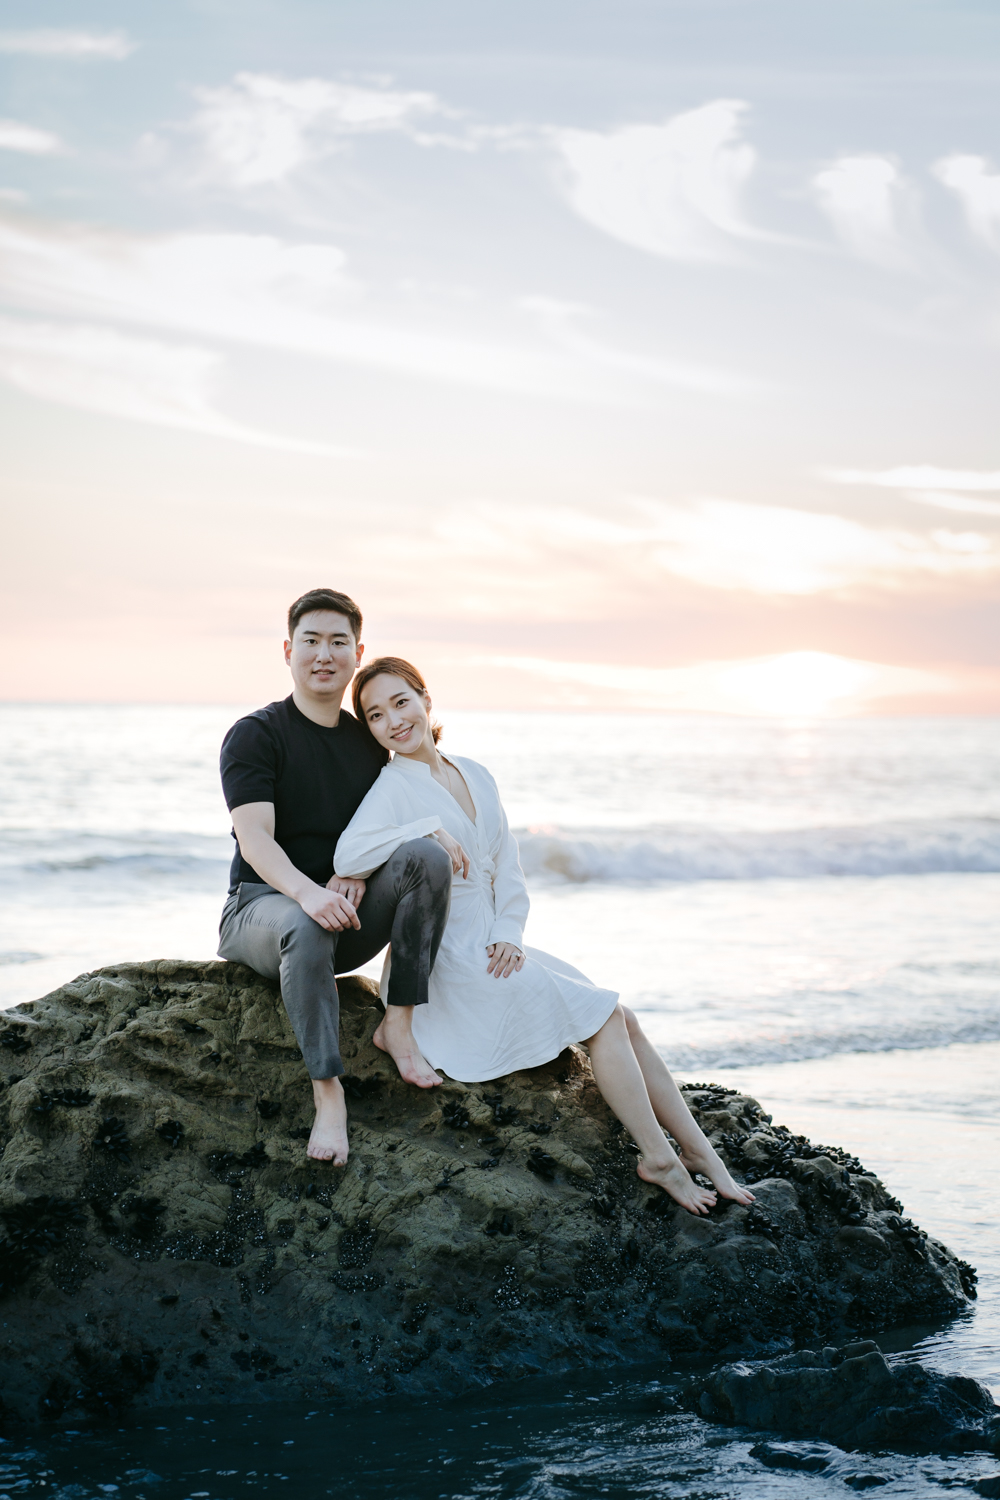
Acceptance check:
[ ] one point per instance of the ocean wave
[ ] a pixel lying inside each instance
(754, 1051)
(687, 853)
(28, 857)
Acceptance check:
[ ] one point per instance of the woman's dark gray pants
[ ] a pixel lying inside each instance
(405, 903)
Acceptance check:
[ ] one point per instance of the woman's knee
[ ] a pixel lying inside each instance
(427, 857)
(631, 1021)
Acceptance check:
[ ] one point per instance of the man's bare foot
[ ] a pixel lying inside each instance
(710, 1164)
(328, 1140)
(395, 1036)
(672, 1177)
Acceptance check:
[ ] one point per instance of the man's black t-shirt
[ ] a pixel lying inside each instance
(315, 777)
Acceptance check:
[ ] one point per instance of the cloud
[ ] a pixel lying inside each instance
(554, 561)
(927, 485)
(561, 322)
(260, 128)
(50, 42)
(17, 137)
(260, 290)
(863, 197)
(793, 684)
(673, 189)
(919, 477)
(767, 549)
(141, 380)
(978, 191)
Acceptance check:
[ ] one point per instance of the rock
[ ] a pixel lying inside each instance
(988, 1485)
(167, 1240)
(806, 1458)
(816, 1458)
(851, 1397)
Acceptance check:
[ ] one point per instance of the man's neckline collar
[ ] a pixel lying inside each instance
(323, 728)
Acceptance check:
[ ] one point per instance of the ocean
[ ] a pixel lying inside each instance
(806, 910)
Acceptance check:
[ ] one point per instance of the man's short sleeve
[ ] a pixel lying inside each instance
(249, 764)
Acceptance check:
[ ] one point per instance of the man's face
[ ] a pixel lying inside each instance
(323, 654)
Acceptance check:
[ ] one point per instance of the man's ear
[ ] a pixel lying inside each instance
(288, 653)
(360, 654)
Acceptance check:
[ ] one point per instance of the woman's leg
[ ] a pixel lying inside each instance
(667, 1101)
(619, 1078)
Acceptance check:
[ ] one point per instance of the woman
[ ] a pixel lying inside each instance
(473, 1027)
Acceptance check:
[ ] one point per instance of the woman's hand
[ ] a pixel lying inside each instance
(347, 886)
(505, 958)
(455, 852)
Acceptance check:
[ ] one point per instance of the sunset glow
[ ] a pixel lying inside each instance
(657, 369)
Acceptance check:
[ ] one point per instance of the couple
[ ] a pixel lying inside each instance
(342, 850)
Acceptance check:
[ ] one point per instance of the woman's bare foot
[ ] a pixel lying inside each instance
(672, 1177)
(710, 1164)
(328, 1140)
(395, 1036)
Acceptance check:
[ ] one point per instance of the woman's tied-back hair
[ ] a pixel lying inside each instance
(341, 604)
(388, 666)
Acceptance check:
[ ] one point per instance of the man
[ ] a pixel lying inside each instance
(293, 775)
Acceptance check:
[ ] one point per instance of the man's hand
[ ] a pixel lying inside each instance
(455, 852)
(505, 959)
(329, 908)
(349, 886)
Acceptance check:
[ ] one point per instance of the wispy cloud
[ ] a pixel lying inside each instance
(978, 190)
(866, 199)
(794, 683)
(260, 128)
(767, 549)
(53, 42)
(15, 136)
(927, 485)
(555, 560)
(562, 321)
(673, 189)
(261, 290)
(117, 375)
(919, 477)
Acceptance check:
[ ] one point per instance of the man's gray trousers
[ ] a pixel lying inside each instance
(405, 903)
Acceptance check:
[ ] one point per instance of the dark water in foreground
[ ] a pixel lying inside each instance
(539, 1439)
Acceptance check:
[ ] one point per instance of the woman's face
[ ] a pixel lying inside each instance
(397, 714)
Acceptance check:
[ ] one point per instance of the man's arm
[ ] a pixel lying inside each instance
(253, 824)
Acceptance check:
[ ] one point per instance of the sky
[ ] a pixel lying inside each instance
(611, 353)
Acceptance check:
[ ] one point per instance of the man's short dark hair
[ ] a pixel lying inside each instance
(341, 604)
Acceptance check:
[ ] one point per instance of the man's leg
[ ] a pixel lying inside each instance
(406, 904)
(273, 935)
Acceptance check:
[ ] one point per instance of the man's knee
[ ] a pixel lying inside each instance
(426, 858)
(301, 932)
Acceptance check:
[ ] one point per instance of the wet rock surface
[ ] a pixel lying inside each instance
(166, 1239)
(849, 1396)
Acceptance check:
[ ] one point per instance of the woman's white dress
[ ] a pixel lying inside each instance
(474, 1026)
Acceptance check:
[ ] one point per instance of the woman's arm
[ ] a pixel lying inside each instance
(509, 889)
(376, 832)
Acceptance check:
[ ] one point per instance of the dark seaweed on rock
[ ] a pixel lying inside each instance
(242, 1270)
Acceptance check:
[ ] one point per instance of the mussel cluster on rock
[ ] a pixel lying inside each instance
(166, 1239)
